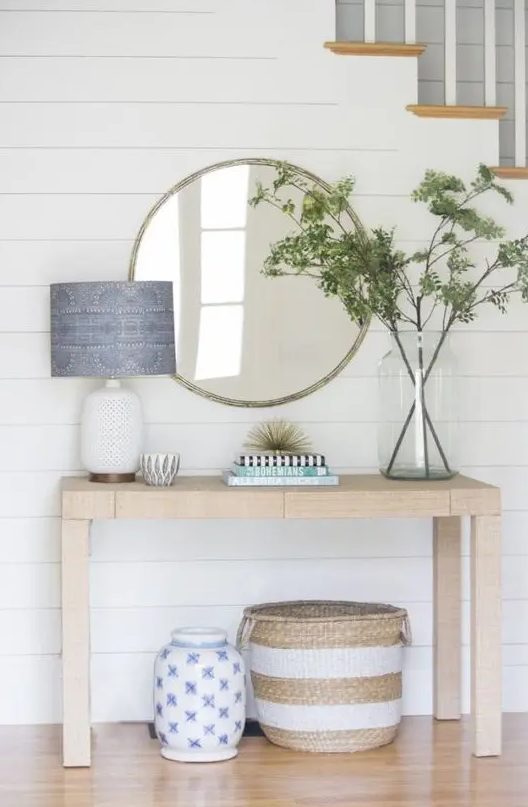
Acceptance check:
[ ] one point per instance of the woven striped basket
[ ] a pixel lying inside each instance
(326, 675)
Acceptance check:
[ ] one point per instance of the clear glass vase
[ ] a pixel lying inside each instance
(418, 420)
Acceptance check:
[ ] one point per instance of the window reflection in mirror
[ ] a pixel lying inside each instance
(240, 335)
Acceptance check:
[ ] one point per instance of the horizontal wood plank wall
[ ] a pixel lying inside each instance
(104, 105)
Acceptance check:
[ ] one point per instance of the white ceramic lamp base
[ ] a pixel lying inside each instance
(111, 433)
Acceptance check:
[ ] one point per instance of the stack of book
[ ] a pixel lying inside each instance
(280, 469)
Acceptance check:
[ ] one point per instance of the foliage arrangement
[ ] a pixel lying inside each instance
(373, 278)
(437, 286)
(277, 437)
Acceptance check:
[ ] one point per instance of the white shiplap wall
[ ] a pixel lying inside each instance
(103, 106)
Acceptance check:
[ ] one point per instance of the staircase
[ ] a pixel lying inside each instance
(473, 57)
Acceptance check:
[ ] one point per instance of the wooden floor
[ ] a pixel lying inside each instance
(428, 765)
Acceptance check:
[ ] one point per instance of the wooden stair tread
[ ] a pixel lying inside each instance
(510, 171)
(374, 48)
(462, 112)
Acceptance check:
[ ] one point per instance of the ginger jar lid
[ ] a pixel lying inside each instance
(199, 637)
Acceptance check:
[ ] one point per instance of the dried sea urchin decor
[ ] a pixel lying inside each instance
(277, 437)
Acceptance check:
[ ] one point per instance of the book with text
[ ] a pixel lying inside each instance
(233, 480)
(276, 470)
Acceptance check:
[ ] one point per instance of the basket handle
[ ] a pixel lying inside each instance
(406, 632)
(244, 632)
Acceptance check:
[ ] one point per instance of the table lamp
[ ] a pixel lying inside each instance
(112, 330)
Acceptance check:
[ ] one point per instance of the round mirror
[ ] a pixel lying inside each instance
(242, 338)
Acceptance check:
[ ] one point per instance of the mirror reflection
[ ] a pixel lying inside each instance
(241, 338)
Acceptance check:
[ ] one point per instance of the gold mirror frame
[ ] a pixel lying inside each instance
(211, 396)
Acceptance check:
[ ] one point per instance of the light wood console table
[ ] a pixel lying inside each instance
(361, 496)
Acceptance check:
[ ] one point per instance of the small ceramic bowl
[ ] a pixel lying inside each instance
(159, 470)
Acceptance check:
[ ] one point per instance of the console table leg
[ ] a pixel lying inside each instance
(446, 618)
(486, 635)
(75, 643)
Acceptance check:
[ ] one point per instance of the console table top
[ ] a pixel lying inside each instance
(358, 496)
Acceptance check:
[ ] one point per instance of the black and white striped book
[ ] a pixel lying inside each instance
(281, 460)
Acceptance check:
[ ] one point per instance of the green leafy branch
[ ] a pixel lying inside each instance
(373, 278)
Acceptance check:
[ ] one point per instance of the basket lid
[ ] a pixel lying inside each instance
(322, 611)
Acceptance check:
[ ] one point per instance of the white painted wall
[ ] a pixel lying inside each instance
(102, 110)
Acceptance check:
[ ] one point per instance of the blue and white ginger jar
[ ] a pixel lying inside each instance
(199, 696)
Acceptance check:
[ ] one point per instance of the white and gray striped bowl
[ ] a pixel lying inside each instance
(159, 470)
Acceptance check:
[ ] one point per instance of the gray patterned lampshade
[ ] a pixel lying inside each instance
(112, 329)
